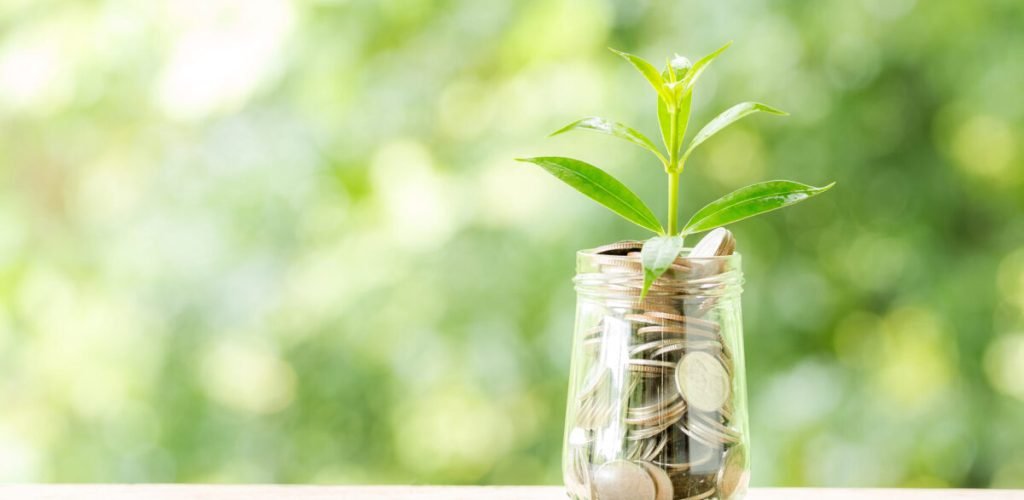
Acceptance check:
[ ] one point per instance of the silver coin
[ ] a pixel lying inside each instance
(717, 427)
(703, 381)
(623, 480)
(661, 418)
(705, 431)
(718, 242)
(662, 483)
(650, 362)
(734, 477)
(660, 404)
(686, 320)
(682, 331)
(618, 246)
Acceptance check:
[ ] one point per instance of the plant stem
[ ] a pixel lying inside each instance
(673, 201)
(672, 170)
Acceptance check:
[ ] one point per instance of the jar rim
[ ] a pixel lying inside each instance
(610, 271)
(590, 253)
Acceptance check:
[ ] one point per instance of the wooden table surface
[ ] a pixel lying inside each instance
(204, 492)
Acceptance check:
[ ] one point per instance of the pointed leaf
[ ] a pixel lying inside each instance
(750, 201)
(728, 117)
(647, 69)
(665, 125)
(657, 255)
(600, 187)
(616, 129)
(679, 66)
(682, 118)
(698, 67)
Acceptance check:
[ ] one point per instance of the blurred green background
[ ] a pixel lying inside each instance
(272, 241)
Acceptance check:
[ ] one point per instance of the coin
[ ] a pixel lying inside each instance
(647, 432)
(705, 431)
(718, 242)
(683, 331)
(703, 381)
(716, 425)
(654, 345)
(661, 402)
(623, 480)
(734, 477)
(618, 247)
(649, 371)
(662, 483)
(577, 475)
(605, 260)
(703, 457)
(694, 437)
(598, 376)
(664, 417)
(642, 318)
(649, 362)
(705, 345)
(662, 443)
(687, 320)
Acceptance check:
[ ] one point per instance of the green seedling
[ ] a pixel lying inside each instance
(674, 87)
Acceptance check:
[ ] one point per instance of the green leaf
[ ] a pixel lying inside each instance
(698, 67)
(616, 129)
(651, 73)
(657, 255)
(600, 187)
(682, 118)
(728, 117)
(678, 65)
(750, 201)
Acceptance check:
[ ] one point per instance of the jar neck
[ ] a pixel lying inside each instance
(615, 272)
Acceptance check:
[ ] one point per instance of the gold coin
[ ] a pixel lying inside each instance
(734, 477)
(662, 483)
(623, 480)
(703, 381)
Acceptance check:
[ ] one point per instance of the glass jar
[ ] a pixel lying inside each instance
(657, 406)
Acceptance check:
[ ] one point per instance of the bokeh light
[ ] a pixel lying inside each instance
(287, 241)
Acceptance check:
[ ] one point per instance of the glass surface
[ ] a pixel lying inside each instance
(657, 405)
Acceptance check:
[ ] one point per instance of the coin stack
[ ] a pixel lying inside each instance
(653, 416)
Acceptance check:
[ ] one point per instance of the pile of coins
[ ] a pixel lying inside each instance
(653, 417)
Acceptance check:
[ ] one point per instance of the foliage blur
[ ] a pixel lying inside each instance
(273, 241)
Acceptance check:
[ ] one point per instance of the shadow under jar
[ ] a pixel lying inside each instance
(657, 405)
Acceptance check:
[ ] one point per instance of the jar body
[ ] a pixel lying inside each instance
(657, 404)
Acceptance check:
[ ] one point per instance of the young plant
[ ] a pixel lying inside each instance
(674, 87)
